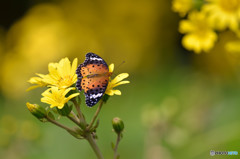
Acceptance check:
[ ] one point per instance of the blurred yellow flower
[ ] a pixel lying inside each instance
(115, 82)
(56, 97)
(233, 46)
(61, 75)
(182, 6)
(223, 14)
(199, 35)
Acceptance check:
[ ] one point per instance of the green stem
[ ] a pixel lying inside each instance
(81, 118)
(95, 115)
(77, 106)
(88, 136)
(73, 119)
(116, 146)
(59, 125)
(74, 116)
(94, 146)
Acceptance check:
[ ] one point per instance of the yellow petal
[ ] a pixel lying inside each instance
(72, 96)
(64, 67)
(46, 92)
(112, 92)
(74, 66)
(53, 73)
(54, 90)
(60, 106)
(120, 77)
(52, 67)
(111, 67)
(117, 92)
(33, 87)
(68, 90)
(120, 83)
(47, 100)
(35, 80)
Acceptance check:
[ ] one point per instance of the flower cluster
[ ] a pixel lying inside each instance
(61, 79)
(59, 82)
(204, 19)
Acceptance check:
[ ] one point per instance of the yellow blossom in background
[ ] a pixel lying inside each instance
(223, 14)
(116, 82)
(199, 35)
(61, 74)
(233, 47)
(182, 6)
(29, 130)
(57, 97)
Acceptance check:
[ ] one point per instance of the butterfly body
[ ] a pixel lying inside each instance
(93, 77)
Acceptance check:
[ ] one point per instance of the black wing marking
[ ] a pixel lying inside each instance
(92, 58)
(93, 96)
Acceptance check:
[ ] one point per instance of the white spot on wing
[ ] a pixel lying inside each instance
(95, 95)
(95, 58)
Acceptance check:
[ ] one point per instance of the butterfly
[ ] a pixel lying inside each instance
(93, 77)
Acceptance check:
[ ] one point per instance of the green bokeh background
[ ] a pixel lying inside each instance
(178, 104)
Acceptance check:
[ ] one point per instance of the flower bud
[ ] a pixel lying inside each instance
(36, 110)
(118, 125)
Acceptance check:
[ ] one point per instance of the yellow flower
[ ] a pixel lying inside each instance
(61, 75)
(182, 6)
(115, 82)
(223, 14)
(199, 35)
(56, 97)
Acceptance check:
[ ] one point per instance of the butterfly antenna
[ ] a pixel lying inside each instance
(118, 67)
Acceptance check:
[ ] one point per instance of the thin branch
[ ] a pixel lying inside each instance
(74, 120)
(75, 116)
(59, 124)
(80, 116)
(95, 115)
(116, 146)
(94, 146)
(82, 122)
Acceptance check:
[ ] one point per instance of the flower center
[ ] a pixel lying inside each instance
(65, 82)
(230, 5)
(59, 98)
